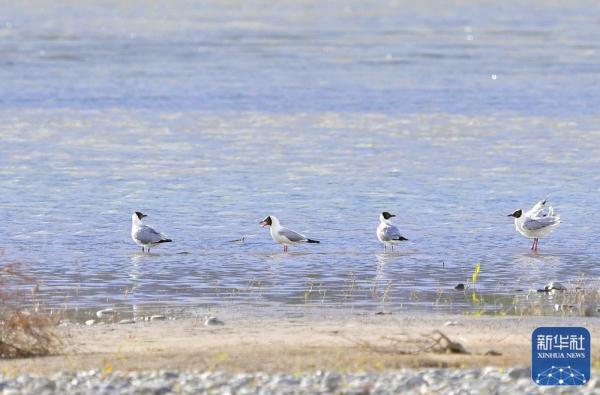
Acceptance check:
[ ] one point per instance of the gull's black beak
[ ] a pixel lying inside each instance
(140, 215)
(392, 215)
(516, 214)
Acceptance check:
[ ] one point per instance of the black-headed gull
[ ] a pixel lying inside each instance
(538, 222)
(388, 233)
(144, 235)
(283, 235)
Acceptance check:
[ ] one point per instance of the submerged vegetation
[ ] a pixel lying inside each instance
(580, 297)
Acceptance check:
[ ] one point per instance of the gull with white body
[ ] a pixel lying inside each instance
(284, 235)
(536, 223)
(144, 235)
(387, 233)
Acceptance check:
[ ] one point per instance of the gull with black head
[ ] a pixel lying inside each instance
(387, 233)
(536, 223)
(284, 235)
(144, 235)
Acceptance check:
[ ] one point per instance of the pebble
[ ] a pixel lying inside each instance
(451, 323)
(105, 312)
(417, 381)
(213, 321)
(90, 322)
(158, 317)
(493, 353)
(518, 373)
(127, 321)
(331, 381)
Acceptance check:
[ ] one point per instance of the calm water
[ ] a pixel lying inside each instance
(208, 117)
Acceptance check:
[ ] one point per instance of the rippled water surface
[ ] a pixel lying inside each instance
(208, 117)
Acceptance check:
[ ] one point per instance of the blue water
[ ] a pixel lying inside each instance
(210, 116)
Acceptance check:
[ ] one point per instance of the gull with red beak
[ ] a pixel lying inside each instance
(284, 235)
(538, 222)
(388, 233)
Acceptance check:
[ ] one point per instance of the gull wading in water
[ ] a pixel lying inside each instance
(283, 235)
(388, 233)
(144, 235)
(538, 222)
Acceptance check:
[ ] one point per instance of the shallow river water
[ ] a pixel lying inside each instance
(208, 117)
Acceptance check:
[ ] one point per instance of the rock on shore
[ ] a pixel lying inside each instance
(405, 381)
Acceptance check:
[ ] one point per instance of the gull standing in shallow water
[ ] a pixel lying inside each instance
(144, 235)
(538, 222)
(283, 235)
(388, 233)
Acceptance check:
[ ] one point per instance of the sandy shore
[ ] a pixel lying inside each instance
(363, 343)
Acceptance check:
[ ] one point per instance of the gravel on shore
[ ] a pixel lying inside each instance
(405, 381)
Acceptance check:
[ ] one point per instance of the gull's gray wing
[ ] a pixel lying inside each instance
(147, 235)
(536, 210)
(291, 235)
(542, 213)
(391, 232)
(540, 223)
